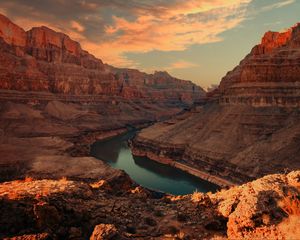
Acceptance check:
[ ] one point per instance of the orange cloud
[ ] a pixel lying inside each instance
(181, 65)
(135, 26)
(77, 26)
(175, 29)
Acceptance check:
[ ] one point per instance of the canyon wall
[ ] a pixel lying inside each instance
(56, 99)
(44, 60)
(249, 128)
(269, 75)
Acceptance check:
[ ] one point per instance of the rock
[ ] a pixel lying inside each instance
(249, 127)
(76, 71)
(2, 136)
(75, 233)
(39, 236)
(268, 76)
(47, 215)
(64, 111)
(150, 221)
(11, 33)
(50, 87)
(264, 208)
(104, 232)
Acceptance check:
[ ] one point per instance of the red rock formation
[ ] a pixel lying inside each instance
(11, 33)
(269, 75)
(267, 208)
(271, 41)
(44, 60)
(253, 132)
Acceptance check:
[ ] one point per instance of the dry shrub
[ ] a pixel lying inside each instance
(290, 226)
(63, 180)
(28, 179)
(197, 196)
(201, 199)
(291, 204)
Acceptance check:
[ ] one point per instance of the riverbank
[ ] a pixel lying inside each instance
(222, 182)
(52, 139)
(147, 173)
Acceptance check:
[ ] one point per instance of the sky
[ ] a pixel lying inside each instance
(198, 40)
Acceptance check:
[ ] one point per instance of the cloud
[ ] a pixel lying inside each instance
(181, 65)
(111, 28)
(77, 26)
(278, 5)
(175, 29)
(273, 23)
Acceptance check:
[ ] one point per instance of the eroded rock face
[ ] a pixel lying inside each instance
(11, 33)
(51, 90)
(267, 208)
(44, 60)
(235, 143)
(250, 127)
(269, 75)
(104, 232)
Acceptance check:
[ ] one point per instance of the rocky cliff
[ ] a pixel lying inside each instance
(56, 99)
(44, 60)
(269, 75)
(268, 208)
(251, 126)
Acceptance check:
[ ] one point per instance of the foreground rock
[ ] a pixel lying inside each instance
(249, 128)
(104, 231)
(267, 208)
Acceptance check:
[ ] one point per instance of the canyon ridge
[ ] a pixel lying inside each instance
(250, 126)
(56, 99)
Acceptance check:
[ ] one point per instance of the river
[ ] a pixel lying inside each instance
(147, 173)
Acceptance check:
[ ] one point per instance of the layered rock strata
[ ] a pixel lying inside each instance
(249, 127)
(269, 74)
(44, 60)
(56, 98)
(233, 143)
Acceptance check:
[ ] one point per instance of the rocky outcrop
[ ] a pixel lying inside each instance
(267, 208)
(269, 75)
(44, 60)
(104, 231)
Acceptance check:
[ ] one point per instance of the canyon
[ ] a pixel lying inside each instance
(250, 126)
(57, 99)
